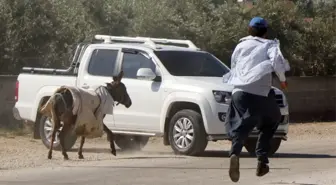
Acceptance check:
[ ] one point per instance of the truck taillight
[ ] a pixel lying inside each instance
(17, 91)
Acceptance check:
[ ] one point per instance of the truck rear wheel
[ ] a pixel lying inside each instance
(250, 145)
(130, 142)
(187, 134)
(45, 127)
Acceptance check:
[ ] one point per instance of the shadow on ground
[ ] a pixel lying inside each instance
(208, 153)
(289, 183)
(94, 150)
(217, 153)
(121, 152)
(167, 167)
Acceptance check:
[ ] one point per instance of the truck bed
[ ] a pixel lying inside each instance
(34, 87)
(49, 71)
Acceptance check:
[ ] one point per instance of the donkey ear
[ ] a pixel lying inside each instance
(119, 77)
(115, 78)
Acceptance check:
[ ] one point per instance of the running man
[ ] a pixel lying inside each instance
(253, 102)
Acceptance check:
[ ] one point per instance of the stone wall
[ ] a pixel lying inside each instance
(7, 101)
(310, 99)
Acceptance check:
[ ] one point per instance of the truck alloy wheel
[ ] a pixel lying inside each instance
(183, 133)
(250, 145)
(45, 125)
(187, 134)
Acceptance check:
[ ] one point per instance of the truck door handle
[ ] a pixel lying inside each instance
(85, 86)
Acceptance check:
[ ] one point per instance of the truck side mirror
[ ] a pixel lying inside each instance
(147, 73)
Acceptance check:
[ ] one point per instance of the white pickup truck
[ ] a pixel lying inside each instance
(176, 90)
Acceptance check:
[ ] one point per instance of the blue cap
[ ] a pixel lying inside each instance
(258, 22)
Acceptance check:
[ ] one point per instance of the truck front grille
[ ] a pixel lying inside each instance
(279, 100)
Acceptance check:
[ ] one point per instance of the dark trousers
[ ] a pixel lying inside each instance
(248, 111)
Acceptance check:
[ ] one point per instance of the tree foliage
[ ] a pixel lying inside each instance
(43, 33)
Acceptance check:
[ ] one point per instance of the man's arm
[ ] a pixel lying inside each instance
(279, 64)
(281, 76)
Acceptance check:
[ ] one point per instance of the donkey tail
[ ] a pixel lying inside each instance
(46, 108)
(49, 106)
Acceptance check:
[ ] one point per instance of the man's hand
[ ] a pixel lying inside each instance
(284, 85)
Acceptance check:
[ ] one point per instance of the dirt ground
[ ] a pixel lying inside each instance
(23, 151)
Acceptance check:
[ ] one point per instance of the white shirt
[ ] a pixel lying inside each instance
(252, 62)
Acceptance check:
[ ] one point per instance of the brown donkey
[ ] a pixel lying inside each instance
(61, 111)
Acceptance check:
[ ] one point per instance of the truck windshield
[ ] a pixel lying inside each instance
(191, 63)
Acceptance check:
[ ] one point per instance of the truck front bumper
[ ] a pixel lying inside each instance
(280, 133)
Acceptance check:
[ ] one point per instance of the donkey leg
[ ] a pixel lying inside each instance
(111, 139)
(53, 135)
(62, 135)
(80, 150)
(56, 126)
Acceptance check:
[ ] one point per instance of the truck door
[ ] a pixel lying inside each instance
(147, 95)
(97, 67)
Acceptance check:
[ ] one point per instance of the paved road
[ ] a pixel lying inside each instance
(297, 163)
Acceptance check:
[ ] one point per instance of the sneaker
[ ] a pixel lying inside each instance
(262, 169)
(234, 168)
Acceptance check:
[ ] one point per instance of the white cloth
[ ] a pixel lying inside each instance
(89, 106)
(253, 58)
(106, 101)
(94, 103)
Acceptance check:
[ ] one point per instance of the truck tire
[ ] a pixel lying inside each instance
(45, 129)
(187, 134)
(130, 142)
(250, 145)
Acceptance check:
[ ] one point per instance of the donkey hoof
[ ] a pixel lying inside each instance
(114, 153)
(80, 156)
(49, 156)
(66, 158)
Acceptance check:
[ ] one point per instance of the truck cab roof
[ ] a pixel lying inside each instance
(161, 47)
(147, 43)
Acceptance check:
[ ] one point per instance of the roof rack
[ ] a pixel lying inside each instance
(146, 40)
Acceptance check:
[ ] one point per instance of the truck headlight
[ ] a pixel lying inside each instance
(222, 96)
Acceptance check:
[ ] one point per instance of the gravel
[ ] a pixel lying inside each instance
(312, 131)
(24, 152)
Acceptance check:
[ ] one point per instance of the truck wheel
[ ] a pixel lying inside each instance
(45, 133)
(250, 145)
(187, 134)
(130, 142)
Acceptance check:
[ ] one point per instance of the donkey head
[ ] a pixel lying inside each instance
(118, 90)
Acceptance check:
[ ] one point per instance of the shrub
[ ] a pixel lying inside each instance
(44, 32)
